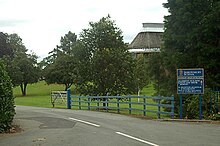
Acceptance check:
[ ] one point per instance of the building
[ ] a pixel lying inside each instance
(147, 41)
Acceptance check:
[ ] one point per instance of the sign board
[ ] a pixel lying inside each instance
(190, 81)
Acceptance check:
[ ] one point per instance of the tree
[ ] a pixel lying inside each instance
(24, 71)
(110, 68)
(61, 64)
(141, 73)
(7, 110)
(191, 40)
(61, 71)
(4, 46)
(22, 67)
(191, 37)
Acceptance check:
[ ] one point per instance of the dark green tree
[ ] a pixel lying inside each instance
(4, 46)
(21, 67)
(191, 40)
(24, 71)
(7, 110)
(60, 65)
(110, 68)
(61, 71)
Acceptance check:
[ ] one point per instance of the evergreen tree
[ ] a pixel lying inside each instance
(7, 110)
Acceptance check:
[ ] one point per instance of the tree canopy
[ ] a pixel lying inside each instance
(21, 67)
(191, 40)
(110, 66)
(7, 110)
(61, 64)
(4, 45)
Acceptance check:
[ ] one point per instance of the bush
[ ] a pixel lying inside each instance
(191, 106)
(7, 110)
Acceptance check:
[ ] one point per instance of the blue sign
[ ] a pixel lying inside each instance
(190, 81)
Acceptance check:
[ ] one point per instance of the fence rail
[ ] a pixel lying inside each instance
(118, 103)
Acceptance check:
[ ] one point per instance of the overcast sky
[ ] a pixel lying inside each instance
(41, 23)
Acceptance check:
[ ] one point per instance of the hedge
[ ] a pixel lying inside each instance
(7, 108)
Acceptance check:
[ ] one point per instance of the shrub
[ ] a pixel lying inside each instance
(7, 110)
(191, 106)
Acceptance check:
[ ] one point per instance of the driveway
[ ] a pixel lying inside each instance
(55, 127)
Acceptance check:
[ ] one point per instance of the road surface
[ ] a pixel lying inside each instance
(62, 127)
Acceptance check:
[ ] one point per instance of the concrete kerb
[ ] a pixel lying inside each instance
(189, 121)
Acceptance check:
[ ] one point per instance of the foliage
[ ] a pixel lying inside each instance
(4, 46)
(141, 73)
(7, 110)
(157, 73)
(191, 105)
(191, 40)
(109, 68)
(25, 70)
(60, 66)
(21, 67)
(61, 71)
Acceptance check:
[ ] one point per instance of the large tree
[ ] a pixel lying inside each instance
(60, 65)
(191, 40)
(22, 67)
(110, 68)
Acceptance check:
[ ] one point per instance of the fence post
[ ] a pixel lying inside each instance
(98, 101)
(200, 107)
(158, 107)
(68, 99)
(106, 103)
(118, 105)
(79, 103)
(129, 104)
(210, 111)
(144, 105)
(172, 108)
(88, 102)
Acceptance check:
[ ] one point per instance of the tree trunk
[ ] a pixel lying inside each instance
(23, 88)
(67, 86)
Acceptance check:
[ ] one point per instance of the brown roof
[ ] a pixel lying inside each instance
(146, 40)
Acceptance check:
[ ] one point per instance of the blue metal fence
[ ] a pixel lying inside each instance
(116, 102)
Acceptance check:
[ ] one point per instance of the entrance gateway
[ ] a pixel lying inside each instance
(190, 81)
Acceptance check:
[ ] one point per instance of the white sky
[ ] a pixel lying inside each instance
(41, 23)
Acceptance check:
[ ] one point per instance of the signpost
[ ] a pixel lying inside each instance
(190, 81)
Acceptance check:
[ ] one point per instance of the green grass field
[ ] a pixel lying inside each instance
(38, 95)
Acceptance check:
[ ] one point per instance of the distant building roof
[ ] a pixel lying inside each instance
(148, 40)
(153, 27)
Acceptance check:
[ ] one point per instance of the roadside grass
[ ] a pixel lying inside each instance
(38, 95)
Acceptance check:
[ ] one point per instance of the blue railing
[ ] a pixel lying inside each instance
(117, 103)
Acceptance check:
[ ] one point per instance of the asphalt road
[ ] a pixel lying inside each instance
(60, 127)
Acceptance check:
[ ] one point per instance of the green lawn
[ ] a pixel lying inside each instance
(38, 94)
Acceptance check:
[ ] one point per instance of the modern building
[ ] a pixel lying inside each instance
(147, 41)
